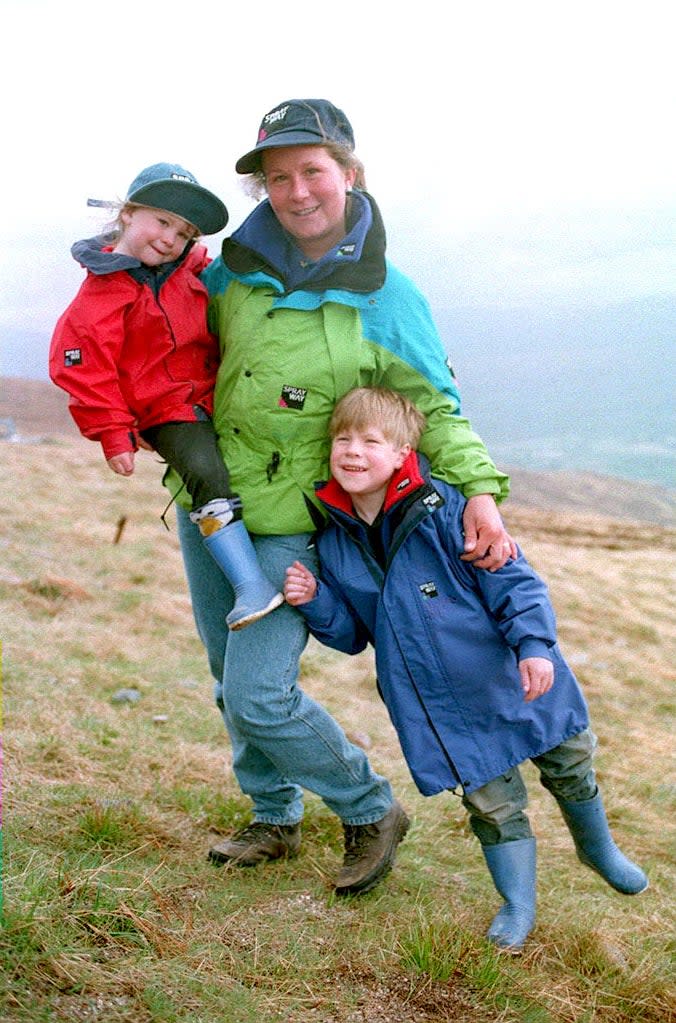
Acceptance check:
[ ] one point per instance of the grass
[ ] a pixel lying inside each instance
(111, 911)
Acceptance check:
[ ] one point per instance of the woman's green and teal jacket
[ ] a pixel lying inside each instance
(289, 352)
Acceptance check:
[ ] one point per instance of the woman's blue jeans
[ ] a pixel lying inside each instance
(282, 741)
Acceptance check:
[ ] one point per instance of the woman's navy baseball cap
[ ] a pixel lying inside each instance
(167, 186)
(298, 122)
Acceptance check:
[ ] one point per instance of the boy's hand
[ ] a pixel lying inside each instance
(300, 586)
(487, 542)
(537, 677)
(122, 464)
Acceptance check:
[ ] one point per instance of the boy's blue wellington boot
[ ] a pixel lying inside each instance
(512, 867)
(255, 596)
(588, 824)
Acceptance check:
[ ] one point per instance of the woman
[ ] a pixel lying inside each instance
(306, 308)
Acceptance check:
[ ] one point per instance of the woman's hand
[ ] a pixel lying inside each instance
(300, 586)
(537, 677)
(487, 542)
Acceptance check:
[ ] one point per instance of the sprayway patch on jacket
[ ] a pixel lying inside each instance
(292, 397)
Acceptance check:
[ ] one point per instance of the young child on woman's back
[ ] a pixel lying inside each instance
(467, 660)
(134, 353)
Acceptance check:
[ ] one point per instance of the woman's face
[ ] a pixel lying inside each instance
(306, 189)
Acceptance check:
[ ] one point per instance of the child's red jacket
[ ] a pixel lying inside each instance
(133, 349)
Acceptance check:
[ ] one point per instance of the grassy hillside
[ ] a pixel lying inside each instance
(112, 912)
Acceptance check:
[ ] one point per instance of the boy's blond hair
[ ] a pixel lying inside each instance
(392, 413)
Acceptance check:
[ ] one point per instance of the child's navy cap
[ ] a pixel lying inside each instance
(167, 186)
(298, 122)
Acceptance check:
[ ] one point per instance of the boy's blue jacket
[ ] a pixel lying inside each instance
(447, 636)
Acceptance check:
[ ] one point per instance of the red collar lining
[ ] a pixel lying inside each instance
(403, 482)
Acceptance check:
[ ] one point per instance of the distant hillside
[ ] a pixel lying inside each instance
(38, 409)
(590, 493)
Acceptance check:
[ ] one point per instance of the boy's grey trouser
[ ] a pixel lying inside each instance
(497, 809)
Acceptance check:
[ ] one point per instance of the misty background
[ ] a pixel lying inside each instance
(523, 157)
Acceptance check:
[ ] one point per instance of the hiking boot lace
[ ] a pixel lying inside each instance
(255, 830)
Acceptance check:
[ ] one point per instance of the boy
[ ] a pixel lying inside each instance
(467, 660)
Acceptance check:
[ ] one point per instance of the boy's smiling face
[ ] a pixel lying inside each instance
(363, 462)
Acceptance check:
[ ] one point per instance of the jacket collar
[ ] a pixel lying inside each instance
(96, 255)
(356, 264)
(413, 475)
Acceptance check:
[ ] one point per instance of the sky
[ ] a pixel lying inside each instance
(522, 153)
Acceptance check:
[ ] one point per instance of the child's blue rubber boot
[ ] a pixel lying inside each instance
(513, 869)
(225, 537)
(588, 824)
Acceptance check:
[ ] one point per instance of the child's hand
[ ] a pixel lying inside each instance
(122, 464)
(300, 586)
(537, 677)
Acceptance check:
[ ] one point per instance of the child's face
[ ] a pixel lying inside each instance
(153, 236)
(363, 461)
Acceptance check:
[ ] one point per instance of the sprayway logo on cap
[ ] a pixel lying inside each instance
(270, 120)
(276, 115)
(184, 177)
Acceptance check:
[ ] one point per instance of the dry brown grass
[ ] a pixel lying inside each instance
(112, 912)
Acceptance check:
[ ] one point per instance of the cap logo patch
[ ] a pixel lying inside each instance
(275, 115)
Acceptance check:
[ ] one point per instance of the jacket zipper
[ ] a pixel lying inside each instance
(272, 466)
